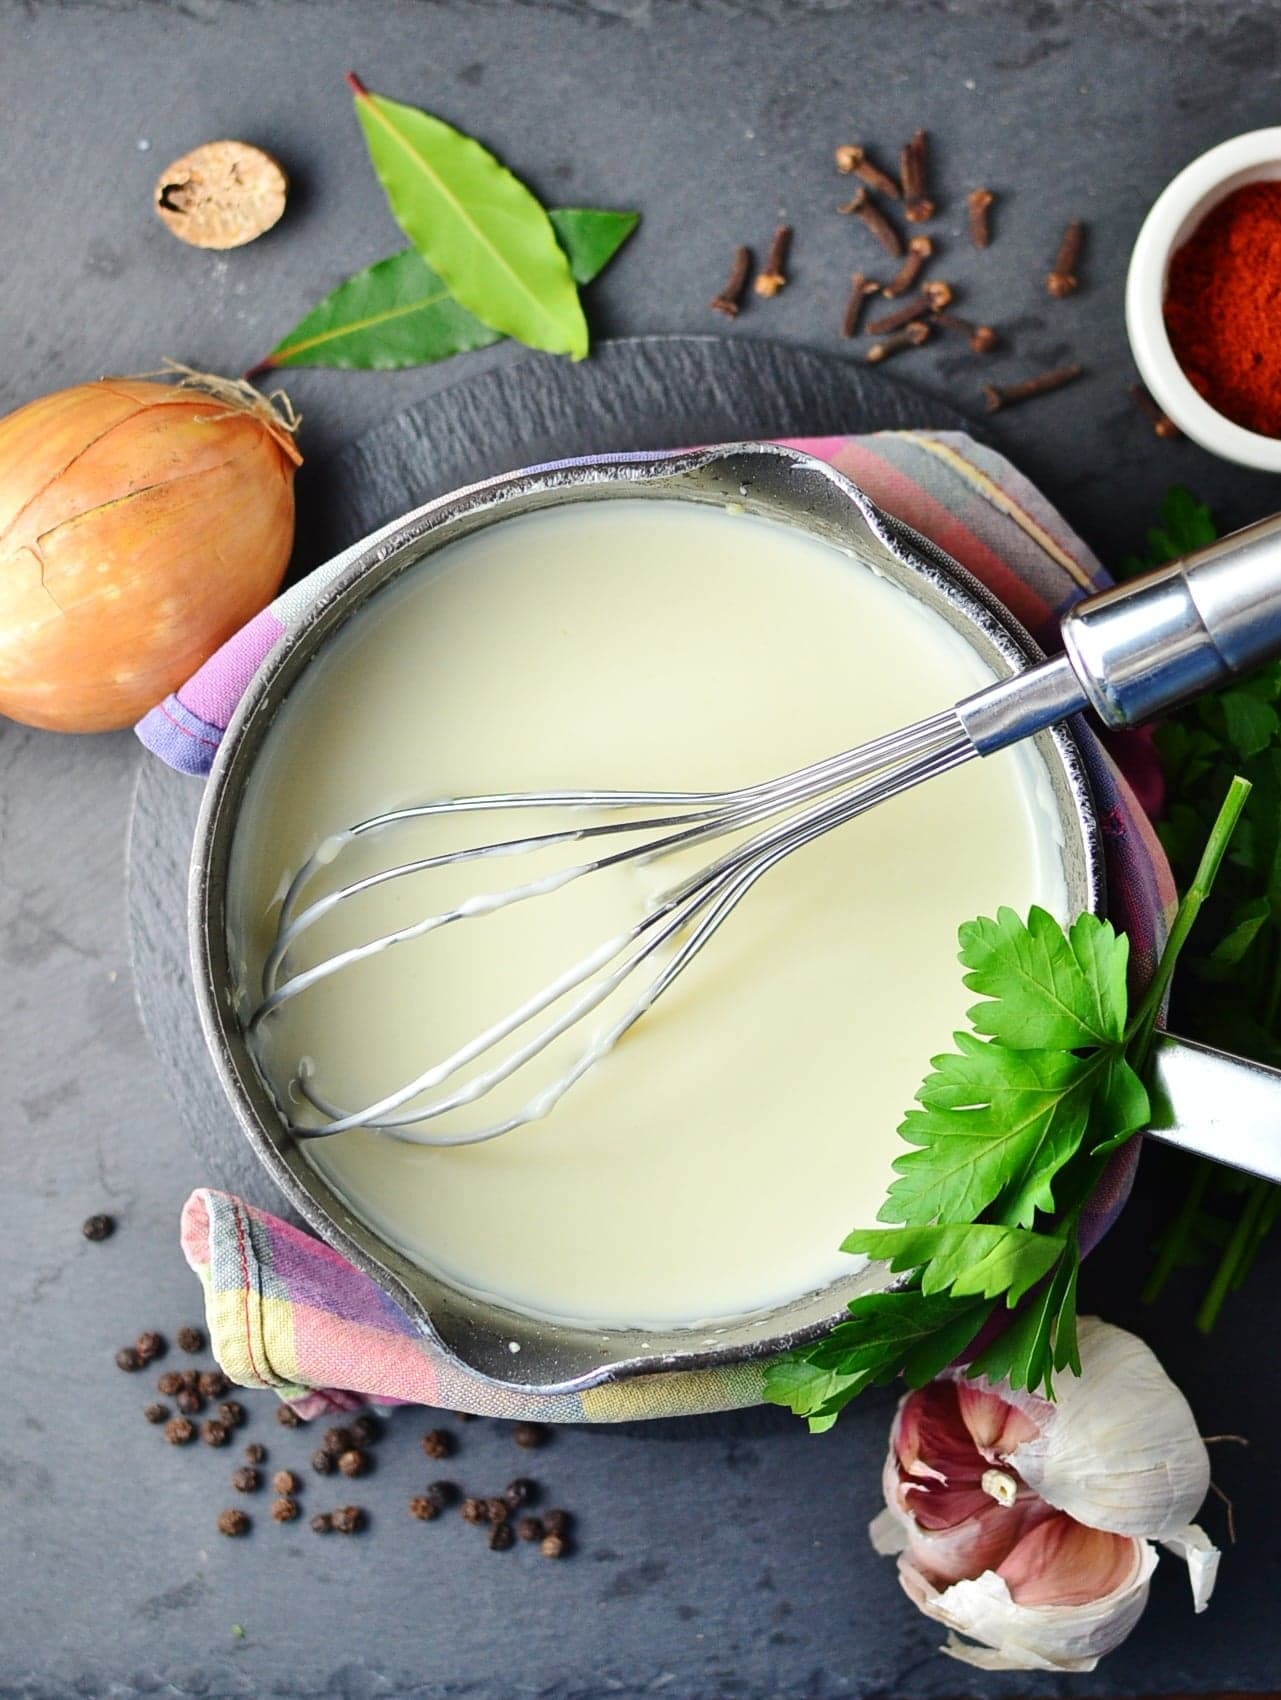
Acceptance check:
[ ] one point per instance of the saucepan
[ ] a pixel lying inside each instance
(1196, 1088)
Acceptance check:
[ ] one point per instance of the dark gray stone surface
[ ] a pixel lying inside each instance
(712, 118)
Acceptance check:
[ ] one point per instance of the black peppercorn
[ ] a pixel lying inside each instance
(438, 1443)
(336, 1440)
(322, 1523)
(189, 1379)
(233, 1523)
(214, 1433)
(475, 1511)
(150, 1346)
(322, 1462)
(98, 1227)
(353, 1462)
(530, 1529)
(500, 1537)
(256, 1452)
(424, 1506)
(556, 1522)
(520, 1492)
(497, 1510)
(284, 1509)
(191, 1339)
(246, 1479)
(445, 1492)
(189, 1402)
(530, 1434)
(178, 1431)
(232, 1412)
(553, 1546)
(214, 1384)
(285, 1481)
(156, 1413)
(169, 1383)
(287, 1417)
(128, 1360)
(365, 1430)
(348, 1519)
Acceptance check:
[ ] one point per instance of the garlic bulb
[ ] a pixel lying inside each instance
(1027, 1525)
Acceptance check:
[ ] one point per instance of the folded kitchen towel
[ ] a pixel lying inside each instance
(287, 1311)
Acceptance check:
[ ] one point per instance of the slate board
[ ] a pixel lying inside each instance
(642, 393)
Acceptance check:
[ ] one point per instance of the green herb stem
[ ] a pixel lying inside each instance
(1175, 1237)
(1237, 1249)
(1139, 1037)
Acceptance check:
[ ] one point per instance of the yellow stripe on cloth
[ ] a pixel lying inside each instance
(682, 1393)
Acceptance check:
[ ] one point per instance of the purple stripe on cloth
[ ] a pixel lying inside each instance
(186, 729)
(309, 1272)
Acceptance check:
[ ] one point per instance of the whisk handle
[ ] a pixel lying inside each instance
(1135, 652)
(1148, 646)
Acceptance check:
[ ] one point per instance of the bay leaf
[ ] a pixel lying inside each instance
(475, 223)
(398, 313)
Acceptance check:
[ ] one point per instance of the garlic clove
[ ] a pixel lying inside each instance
(1119, 1448)
(945, 1553)
(1014, 1636)
(1062, 1563)
(1122, 1450)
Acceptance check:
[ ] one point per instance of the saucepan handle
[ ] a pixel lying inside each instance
(1217, 1105)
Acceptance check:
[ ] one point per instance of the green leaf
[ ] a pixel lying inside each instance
(1048, 990)
(398, 312)
(1042, 1336)
(804, 1388)
(475, 224)
(1185, 525)
(1121, 1106)
(1247, 921)
(970, 1259)
(995, 1123)
(1250, 724)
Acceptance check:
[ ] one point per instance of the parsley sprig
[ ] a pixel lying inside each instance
(1011, 1134)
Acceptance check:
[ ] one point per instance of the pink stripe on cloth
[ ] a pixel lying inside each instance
(213, 691)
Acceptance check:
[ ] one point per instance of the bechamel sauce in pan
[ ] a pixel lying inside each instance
(711, 1164)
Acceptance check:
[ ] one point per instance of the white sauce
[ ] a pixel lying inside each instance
(711, 1165)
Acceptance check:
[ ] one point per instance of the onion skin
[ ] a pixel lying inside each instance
(141, 524)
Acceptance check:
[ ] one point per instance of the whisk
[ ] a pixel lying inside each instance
(1131, 654)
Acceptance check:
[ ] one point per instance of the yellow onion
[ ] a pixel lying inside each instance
(141, 523)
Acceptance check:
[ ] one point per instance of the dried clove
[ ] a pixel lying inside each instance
(913, 164)
(1162, 425)
(983, 339)
(933, 298)
(731, 296)
(1009, 395)
(1063, 279)
(911, 336)
(919, 249)
(865, 208)
(772, 277)
(979, 203)
(852, 160)
(860, 289)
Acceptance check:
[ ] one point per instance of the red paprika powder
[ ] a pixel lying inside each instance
(1223, 307)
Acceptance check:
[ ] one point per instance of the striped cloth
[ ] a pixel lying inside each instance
(286, 1311)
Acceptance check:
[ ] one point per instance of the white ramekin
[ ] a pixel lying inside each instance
(1251, 158)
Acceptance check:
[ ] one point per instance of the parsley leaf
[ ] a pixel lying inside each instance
(1012, 1132)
